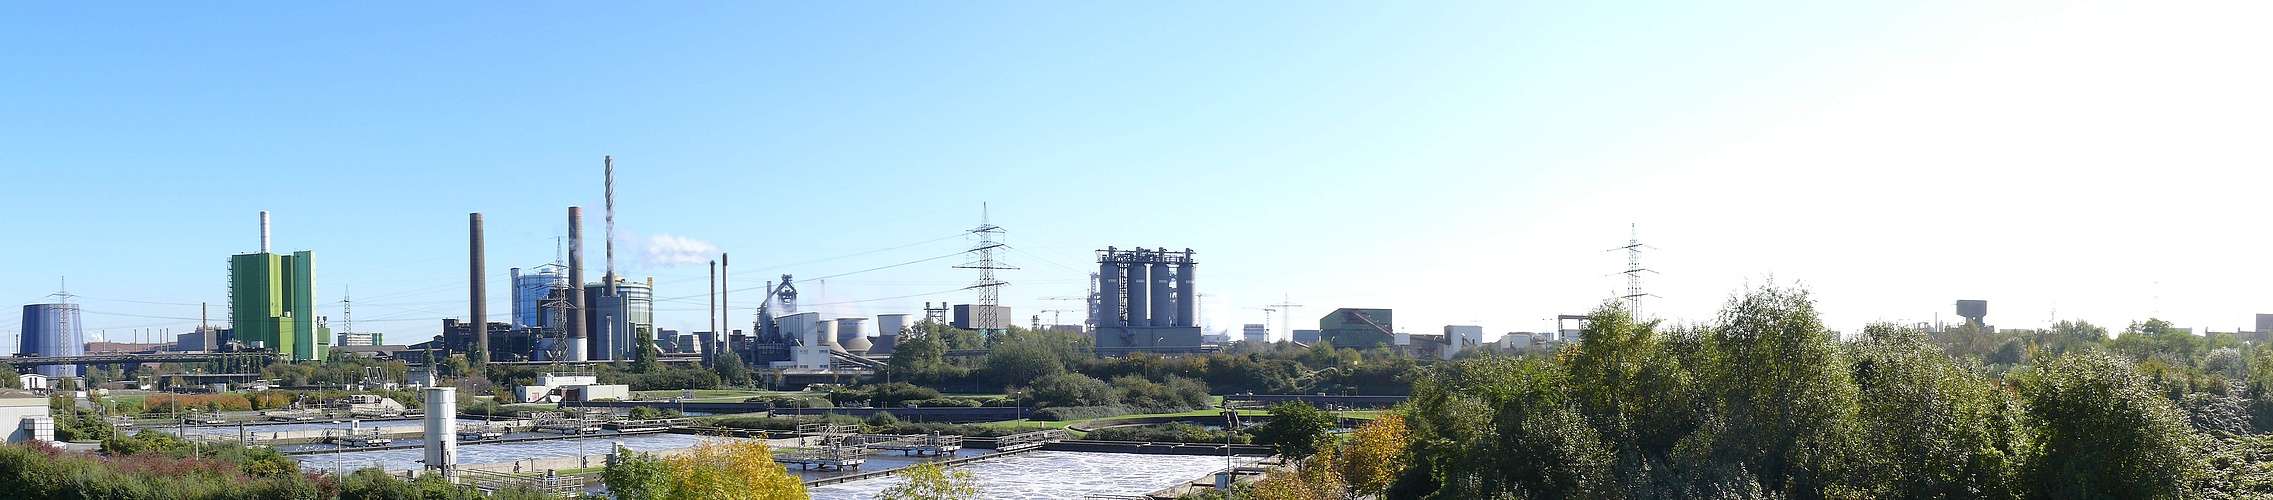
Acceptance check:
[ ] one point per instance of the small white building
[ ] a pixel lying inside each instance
(35, 382)
(24, 417)
(1257, 333)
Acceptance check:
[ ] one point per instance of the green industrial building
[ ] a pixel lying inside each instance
(1356, 327)
(272, 303)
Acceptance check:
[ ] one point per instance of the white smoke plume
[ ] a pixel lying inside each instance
(666, 250)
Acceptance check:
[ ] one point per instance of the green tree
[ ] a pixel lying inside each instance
(644, 353)
(730, 368)
(637, 476)
(1635, 392)
(930, 481)
(2105, 432)
(1929, 427)
(1295, 428)
(1785, 400)
(1497, 427)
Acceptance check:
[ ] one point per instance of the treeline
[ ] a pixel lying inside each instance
(1020, 357)
(1765, 402)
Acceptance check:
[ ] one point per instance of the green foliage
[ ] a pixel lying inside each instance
(1930, 428)
(882, 419)
(1174, 432)
(637, 476)
(370, 484)
(731, 370)
(1021, 355)
(883, 395)
(1071, 389)
(1295, 428)
(2105, 432)
(643, 352)
(930, 481)
(652, 413)
(37, 472)
(1783, 392)
(1497, 427)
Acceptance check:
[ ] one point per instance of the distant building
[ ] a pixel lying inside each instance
(613, 320)
(1306, 336)
(362, 339)
(272, 303)
(34, 382)
(127, 347)
(1357, 327)
(967, 317)
(202, 339)
(1462, 337)
(1256, 333)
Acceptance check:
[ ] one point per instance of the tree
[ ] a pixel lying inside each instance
(723, 469)
(644, 352)
(637, 476)
(1930, 428)
(2105, 432)
(1295, 428)
(1495, 427)
(1020, 357)
(1072, 389)
(1784, 397)
(1376, 454)
(1633, 390)
(930, 481)
(730, 368)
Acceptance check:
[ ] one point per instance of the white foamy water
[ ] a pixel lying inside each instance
(1061, 474)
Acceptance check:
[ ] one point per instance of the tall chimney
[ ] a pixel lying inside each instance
(480, 288)
(723, 311)
(609, 162)
(576, 334)
(264, 231)
(706, 350)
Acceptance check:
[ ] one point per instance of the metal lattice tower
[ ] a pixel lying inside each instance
(982, 259)
(1634, 270)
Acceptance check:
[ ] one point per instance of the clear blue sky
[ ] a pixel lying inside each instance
(1462, 162)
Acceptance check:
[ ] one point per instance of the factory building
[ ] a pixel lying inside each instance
(365, 339)
(52, 330)
(615, 319)
(1147, 300)
(967, 317)
(201, 339)
(1257, 333)
(272, 301)
(1357, 327)
(1462, 337)
(1306, 336)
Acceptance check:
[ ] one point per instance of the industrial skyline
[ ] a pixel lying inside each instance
(1460, 163)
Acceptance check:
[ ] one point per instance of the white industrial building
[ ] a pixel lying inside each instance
(35, 382)
(24, 417)
(555, 388)
(1461, 337)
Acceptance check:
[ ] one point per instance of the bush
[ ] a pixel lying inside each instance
(881, 419)
(1072, 389)
(947, 403)
(791, 401)
(1061, 413)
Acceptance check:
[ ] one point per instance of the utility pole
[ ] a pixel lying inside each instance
(1286, 314)
(982, 259)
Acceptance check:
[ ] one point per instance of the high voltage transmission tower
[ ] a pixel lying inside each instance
(986, 318)
(1634, 270)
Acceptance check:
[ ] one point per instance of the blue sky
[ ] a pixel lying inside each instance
(1462, 162)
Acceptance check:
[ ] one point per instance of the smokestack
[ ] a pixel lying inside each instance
(576, 333)
(610, 185)
(714, 301)
(264, 231)
(480, 287)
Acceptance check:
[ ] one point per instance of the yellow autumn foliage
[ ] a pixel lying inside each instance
(731, 469)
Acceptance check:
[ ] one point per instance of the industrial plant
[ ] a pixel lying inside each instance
(1147, 300)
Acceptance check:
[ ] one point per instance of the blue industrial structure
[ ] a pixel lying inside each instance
(53, 330)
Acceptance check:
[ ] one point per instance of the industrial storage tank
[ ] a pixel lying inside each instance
(529, 293)
(53, 330)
